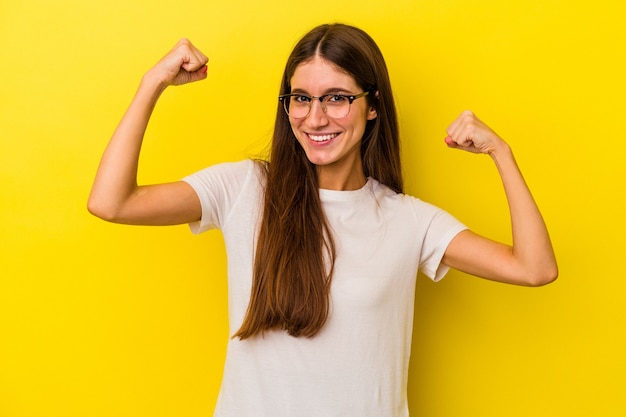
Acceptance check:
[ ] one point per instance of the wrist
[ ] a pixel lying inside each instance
(151, 82)
(501, 150)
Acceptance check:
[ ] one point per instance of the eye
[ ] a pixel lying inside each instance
(336, 99)
(301, 99)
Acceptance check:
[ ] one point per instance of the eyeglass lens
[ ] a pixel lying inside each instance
(335, 106)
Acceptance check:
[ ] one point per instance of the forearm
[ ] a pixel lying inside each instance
(116, 178)
(532, 249)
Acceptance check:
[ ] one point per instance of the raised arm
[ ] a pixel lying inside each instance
(115, 195)
(530, 260)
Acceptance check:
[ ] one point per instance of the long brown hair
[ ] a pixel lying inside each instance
(295, 250)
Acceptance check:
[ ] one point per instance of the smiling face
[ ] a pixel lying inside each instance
(333, 145)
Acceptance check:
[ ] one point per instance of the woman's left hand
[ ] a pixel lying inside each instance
(470, 134)
(530, 260)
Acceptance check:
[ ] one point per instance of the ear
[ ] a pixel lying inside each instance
(372, 113)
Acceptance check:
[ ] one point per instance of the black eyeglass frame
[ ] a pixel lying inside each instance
(351, 97)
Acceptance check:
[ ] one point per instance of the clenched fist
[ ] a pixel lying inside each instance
(183, 64)
(469, 133)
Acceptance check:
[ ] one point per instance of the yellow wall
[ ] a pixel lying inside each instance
(106, 320)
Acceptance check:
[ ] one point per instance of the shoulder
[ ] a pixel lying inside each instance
(228, 173)
(225, 188)
(411, 209)
(387, 195)
(226, 182)
(233, 169)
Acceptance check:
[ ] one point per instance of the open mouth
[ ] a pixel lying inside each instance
(323, 138)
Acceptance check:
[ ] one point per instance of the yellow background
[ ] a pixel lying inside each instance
(107, 320)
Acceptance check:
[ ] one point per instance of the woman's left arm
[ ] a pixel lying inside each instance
(530, 260)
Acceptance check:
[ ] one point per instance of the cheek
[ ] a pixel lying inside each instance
(358, 123)
(294, 127)
(295, 123)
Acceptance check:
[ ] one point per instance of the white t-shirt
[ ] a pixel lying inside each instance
(357, 365)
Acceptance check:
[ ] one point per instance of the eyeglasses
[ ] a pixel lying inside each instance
(335, 106)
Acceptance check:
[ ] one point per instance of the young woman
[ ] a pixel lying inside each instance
(323, 245)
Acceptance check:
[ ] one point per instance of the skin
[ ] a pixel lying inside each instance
(530, 259)
(338, 159)
(116, 196)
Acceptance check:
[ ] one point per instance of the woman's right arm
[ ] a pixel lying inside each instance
(115, 195)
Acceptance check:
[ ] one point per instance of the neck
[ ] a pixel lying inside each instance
(330, 178)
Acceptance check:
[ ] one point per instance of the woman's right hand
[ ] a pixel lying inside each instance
(183, 64)
(115, 195)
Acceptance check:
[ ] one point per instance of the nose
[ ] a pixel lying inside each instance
(317, 115)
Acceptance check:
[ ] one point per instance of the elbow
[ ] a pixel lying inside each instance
(101, 210)
(544, 277)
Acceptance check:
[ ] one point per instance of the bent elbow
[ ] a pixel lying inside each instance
(102, 211)
(544, 277)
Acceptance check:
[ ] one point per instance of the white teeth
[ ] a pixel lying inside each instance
(322, 138)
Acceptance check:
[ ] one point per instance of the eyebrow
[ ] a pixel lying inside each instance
(334, 90)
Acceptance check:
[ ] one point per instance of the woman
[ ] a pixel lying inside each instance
(322, 274)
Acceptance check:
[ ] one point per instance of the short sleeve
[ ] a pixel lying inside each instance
(441, 228)
(219, 187)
